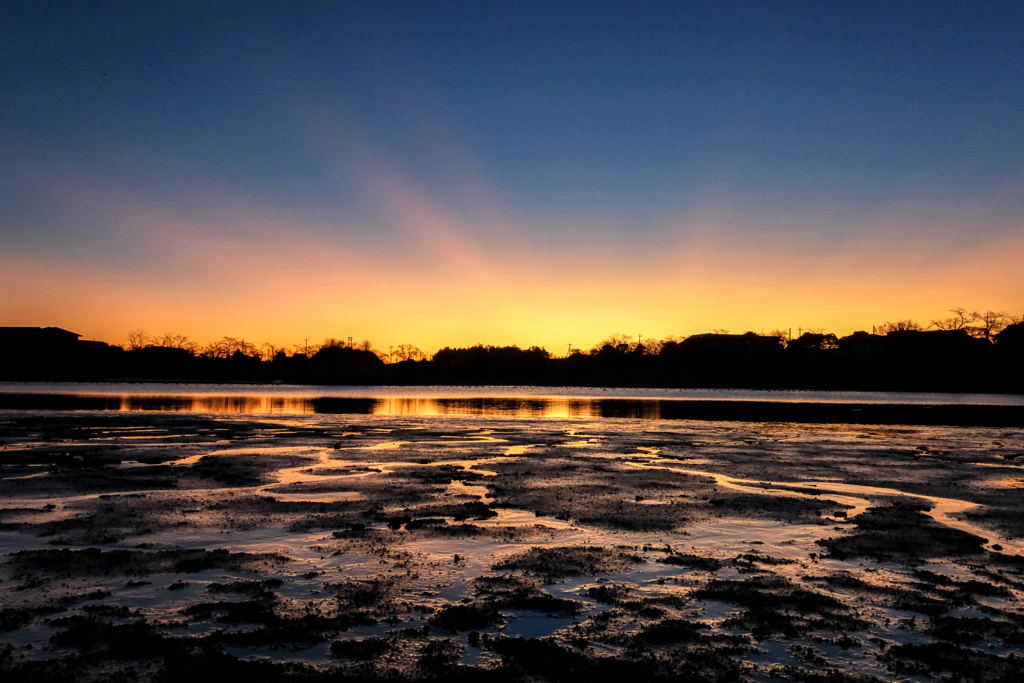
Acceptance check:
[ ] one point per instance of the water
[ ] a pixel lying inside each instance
(524, 402)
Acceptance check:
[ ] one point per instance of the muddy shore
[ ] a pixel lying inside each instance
(151, 546)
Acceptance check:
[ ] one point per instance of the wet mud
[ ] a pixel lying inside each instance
(160, 547)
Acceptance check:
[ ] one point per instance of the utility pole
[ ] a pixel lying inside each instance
(568, 350)
(391, 354)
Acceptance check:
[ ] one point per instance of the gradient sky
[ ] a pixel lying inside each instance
(447, 173)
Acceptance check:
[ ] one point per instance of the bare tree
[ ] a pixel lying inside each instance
(229, 346)
(268, 350)
(216, 349)
(137, 339)
(170, 340)
(620, 342)
(408, 352)
(991, 323)
(898, 326)
(652, 347)
(625, 344)
(960, 320)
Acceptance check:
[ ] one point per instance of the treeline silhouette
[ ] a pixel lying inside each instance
(965, 352)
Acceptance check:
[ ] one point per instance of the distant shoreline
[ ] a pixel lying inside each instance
(840, 388)
(868, 408)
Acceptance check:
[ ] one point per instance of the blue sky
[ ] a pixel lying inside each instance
(410, 134)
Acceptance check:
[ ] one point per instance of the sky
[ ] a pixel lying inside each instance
(453, 173)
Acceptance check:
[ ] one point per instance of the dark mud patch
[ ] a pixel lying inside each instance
(459, 512)
(673, 631)
(463, 617)
(62, 482)
(106, 522)
(523, 592)
(66, 563)
(598, 492)
(782, 508)
(250, 588)
(242, 469)
(929, 598)
(773, 604)
(565, 561)
(701, 562)
(358, 594)
(968, 630)
(137, 640)
(965, 663)
(610, 594)
(901, 533)
(438, 474)
(497, 593)
(707, 661)
(365, 648)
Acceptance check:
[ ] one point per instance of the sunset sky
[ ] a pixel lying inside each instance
(448, 173)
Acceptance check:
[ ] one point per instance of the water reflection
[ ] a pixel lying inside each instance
(533, 408)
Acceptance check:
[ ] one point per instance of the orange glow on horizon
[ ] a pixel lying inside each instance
(251, 272)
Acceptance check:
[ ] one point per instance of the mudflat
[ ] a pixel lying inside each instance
(154, 546)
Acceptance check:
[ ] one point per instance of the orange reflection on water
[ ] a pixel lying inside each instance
(282, 405)
(215, 404)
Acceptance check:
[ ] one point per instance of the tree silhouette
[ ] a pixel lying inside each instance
(170, 340)
(815, 341)
(227, 347)
(408, 352)
(960, 320)
(137, 340)
(269, 351)
(1011, 336)
(991, 323)
(899, 326)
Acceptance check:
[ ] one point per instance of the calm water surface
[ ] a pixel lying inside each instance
(522, 401)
